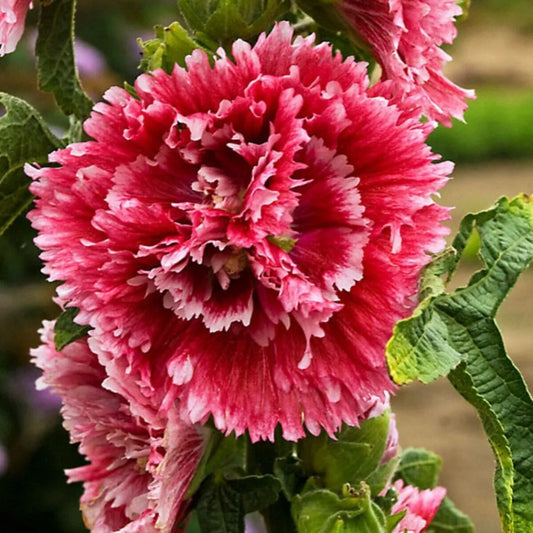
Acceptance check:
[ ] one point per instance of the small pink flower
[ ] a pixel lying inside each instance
(405, 36)
(421, 506)
(242, 237)
(12, 18)
(138, 472)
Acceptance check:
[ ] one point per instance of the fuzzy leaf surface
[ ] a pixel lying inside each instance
(467, 344)
(224, 21)
(23, 138)
(56, 66)
(220, 508)
(432, 342)
(419, 467)
(351, 458)
(319, 510)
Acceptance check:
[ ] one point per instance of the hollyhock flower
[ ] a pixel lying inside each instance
(420, 507)
(138, 472)
(405, 37)
(12, 18)
(243, 236)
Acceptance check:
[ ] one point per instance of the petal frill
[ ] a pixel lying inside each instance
(242, 237)
(130, 460)
(405, 37)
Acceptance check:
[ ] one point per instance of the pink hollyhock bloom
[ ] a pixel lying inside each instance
(243, 236)
(12, 18)
(405, 37)
(138, 473)
(421, 506)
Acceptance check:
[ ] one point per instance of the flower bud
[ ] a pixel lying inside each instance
(225, 21)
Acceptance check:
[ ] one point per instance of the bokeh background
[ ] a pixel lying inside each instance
(493, 152)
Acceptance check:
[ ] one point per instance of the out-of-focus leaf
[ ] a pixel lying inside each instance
(449, 519)
(419, 467)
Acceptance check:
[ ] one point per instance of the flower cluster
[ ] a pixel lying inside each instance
(406, 38)
(240, 237)
(12, 18)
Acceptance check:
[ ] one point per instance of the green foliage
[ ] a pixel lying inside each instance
(55, 52)
(172, 44)
(457, 332)
(319, 510)
(329, 25)
(351, 458)
(499, 126)
(66, 330)
(449, 519)
(23, 137)
(224, 21)
(325, 14)
(420, 468)
(441, 330)
(221, 456)
(223, 502)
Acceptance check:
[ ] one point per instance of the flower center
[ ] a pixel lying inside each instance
(268, 233)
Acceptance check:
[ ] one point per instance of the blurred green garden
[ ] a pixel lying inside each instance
(34, 448)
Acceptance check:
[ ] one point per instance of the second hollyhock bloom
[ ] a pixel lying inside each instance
(406, 37)
(243, 236)
(12, 18)
(420, 507)
(139, 469)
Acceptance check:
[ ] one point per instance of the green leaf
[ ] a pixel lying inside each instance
(55, 58)
(319, 510)
(222, 455)
(171, 45)
(450, 520)
(419, 467)
(66, 330)
(23, 138)
(435, 338)
(325, 13)
(220, 508)
(393, 520)
(257, 492)
(289, 471)
(462, 324)
(222, 502)
(352, 458)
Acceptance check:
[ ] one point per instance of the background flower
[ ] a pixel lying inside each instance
(12, 17)
(406, 38)
(242, 237)
(420, 507)
(138, 472)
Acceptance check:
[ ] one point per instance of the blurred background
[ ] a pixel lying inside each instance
(493, 152)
